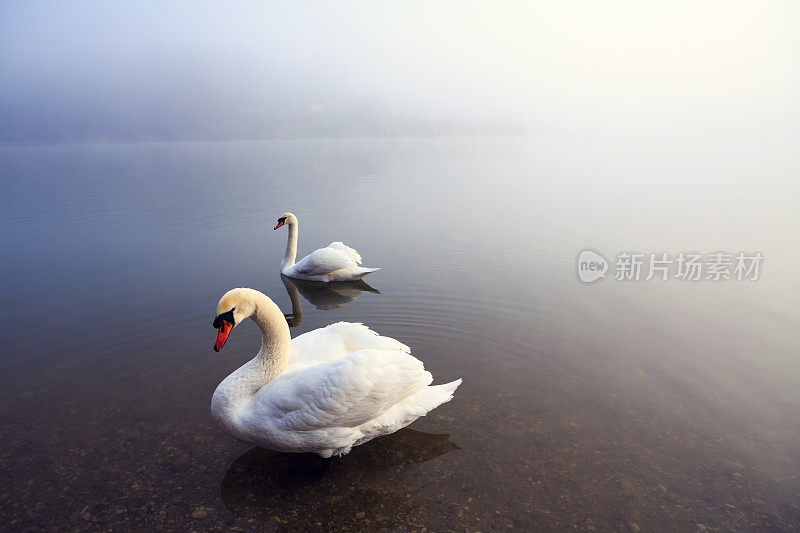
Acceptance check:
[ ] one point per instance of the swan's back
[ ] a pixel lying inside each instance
(347, 250)
(344, 385)
(336, 341)
(336, 262)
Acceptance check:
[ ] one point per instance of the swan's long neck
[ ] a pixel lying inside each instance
(291, 247)
(269, 363)
(276, 341)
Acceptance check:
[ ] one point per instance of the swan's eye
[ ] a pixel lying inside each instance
(227, 316)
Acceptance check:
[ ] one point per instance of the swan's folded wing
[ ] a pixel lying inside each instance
(344, 393)
(336, 341)
(324, 261)
(346, 249)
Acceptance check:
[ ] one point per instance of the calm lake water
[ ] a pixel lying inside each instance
(616, 405)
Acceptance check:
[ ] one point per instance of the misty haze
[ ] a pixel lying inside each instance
(587, 211)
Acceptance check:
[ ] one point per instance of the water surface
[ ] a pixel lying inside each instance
(658, 404)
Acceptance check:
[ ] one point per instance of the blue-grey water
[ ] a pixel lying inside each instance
(615, 405)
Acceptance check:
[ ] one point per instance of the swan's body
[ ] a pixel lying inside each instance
(335, 262)
(324, 391)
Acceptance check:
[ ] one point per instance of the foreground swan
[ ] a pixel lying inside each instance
(336, 262)
(323, 392)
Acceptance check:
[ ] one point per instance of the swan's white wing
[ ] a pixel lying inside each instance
(324, 261)
(336, 341)
(345, 392)
(346, 249)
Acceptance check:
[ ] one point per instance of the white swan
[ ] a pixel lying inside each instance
(324, 391)
(336, 262)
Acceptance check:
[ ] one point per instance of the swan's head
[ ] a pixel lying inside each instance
(234, 306)
(286, 218)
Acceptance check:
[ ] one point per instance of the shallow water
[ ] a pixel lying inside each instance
(651, 405)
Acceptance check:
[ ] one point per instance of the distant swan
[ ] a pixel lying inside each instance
(324, 391)
(336, 262)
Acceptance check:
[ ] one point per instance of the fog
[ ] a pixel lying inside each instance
(90, 71)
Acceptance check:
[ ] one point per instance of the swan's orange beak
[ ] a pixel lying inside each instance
(222, 334)
(280, 223)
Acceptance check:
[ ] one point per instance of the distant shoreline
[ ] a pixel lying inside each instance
(260, 139)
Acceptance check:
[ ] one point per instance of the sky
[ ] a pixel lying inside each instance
(196, 68)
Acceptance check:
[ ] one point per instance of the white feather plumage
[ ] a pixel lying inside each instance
(335, 262)
(324, 391)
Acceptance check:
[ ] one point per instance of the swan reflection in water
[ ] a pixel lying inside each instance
(332, 295)
(301, 490)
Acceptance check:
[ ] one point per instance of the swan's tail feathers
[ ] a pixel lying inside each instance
(353, 273)
(430, 398)
(363, 271)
